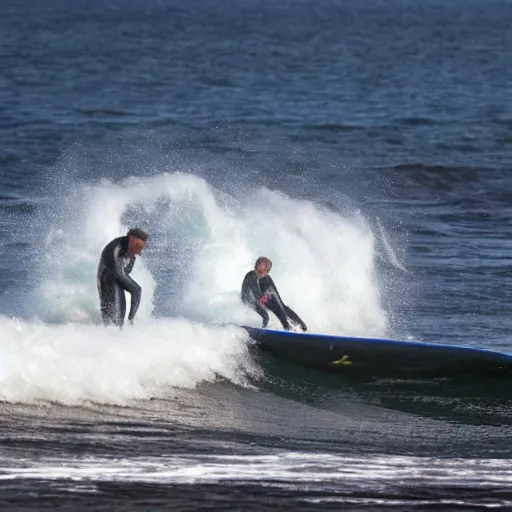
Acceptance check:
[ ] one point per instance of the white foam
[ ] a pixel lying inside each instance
(76, 363)
(202, 242)
(295, 468)
(323, 261)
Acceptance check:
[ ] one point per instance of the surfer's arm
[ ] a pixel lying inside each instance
(250, 292)
(250, 295)
(129, 267)
(126, 282)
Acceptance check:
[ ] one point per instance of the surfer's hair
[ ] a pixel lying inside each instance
(263, 259)
(138, 233)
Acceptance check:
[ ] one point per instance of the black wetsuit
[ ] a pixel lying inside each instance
(113, 279)
(254, 288)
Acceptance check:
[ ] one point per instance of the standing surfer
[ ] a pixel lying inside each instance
(260, 293)
(116, 263)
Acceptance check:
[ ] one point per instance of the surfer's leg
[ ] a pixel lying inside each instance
(264, 315)
(295, 318)
(106, 290)
(120, 306)
(276, 308)
(112, 302)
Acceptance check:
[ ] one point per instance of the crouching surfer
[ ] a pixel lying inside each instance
(116, 262)
(260, 293)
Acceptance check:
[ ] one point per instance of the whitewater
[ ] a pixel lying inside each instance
(202, 242)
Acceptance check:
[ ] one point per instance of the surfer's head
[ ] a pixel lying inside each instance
(262, 266)
(136, 240)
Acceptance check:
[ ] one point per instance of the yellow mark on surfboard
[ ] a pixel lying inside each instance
(344, 360)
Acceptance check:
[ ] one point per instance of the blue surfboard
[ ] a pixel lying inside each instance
(382, 358)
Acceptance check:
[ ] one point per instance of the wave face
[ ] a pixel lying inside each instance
(202, 242)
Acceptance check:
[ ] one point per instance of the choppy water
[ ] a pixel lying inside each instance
(365, 148)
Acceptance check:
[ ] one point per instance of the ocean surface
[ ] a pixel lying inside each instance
(365, 147)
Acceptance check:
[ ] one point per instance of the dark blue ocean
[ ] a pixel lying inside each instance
(365, 147)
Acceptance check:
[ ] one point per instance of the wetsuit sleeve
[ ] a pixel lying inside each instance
(126, 282)
(128, 268)
(250, 292)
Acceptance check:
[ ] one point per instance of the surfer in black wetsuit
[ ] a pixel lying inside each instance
(116, 263)
(260, 293)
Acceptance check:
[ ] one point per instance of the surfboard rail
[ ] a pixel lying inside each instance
(381, 357)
